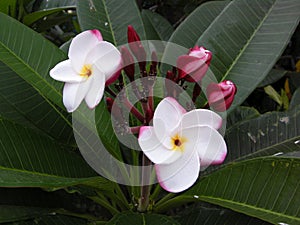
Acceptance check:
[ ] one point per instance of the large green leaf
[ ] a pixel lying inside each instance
(111, 18)
(243, 37)
(141, 219)
(240, 114)
(30, 56)
(156, 26)
(271, 133)
(266, 188)
(21, 103)
(246, 43)
(23, 150)
(215, 216)
(189, 31)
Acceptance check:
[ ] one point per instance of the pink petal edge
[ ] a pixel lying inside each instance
(97, 34)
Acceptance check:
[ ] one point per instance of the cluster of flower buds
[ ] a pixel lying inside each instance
(192, 67)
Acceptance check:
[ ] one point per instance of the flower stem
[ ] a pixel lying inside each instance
(145, 189)
(133, 110)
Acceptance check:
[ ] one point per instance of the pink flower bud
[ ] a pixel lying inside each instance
(193, 66)
(135, 44)
(220, 96)
(128, 63)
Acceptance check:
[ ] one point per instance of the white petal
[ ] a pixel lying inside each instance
(80, 46)
(202, 117)
(106, 57)
(179, 175)
(64, 72)
(153, 149)
(95, 93)
(166, 118)
(215, 151)
(208, 143)
(74, 93)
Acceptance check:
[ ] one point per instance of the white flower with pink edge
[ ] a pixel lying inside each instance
(92, 64)
(180, 142)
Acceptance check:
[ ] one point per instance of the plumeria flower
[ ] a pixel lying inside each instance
(193, 66)
(180, 142)
(220, 96)
(92, 64)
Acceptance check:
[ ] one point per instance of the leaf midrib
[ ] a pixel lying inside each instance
(248, 41)
(109, 22)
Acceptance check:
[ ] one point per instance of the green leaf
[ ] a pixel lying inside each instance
(189, 31)
(240, 114)
(9, 7)
(46, 4)
(247, 44)
(266, 188)
(141, 219)
(106, 131)
(271, 133)
(273, 76)
(273, 94)
(30, 56)
(10, 213)
(35, 16)
(215, 216)
(113, 17)
(22, 178)
(21, 103)
(26, 155)
(243, 37)
(54, 219)
(156, 26)
(295, 99)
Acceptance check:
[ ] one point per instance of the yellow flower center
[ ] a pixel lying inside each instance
(177, 143)
(86, 70)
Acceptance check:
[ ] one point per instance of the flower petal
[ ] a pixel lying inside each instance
(153, 149)
(80, 46)
(64, 72)
(74, 93)
(96, 90)
(106, 57)
(166, 118)
(189, 64)
(208, 142)
(179, 175)
(215, 151)
(202, 117)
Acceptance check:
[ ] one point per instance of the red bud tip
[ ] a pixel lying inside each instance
(135, 45)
